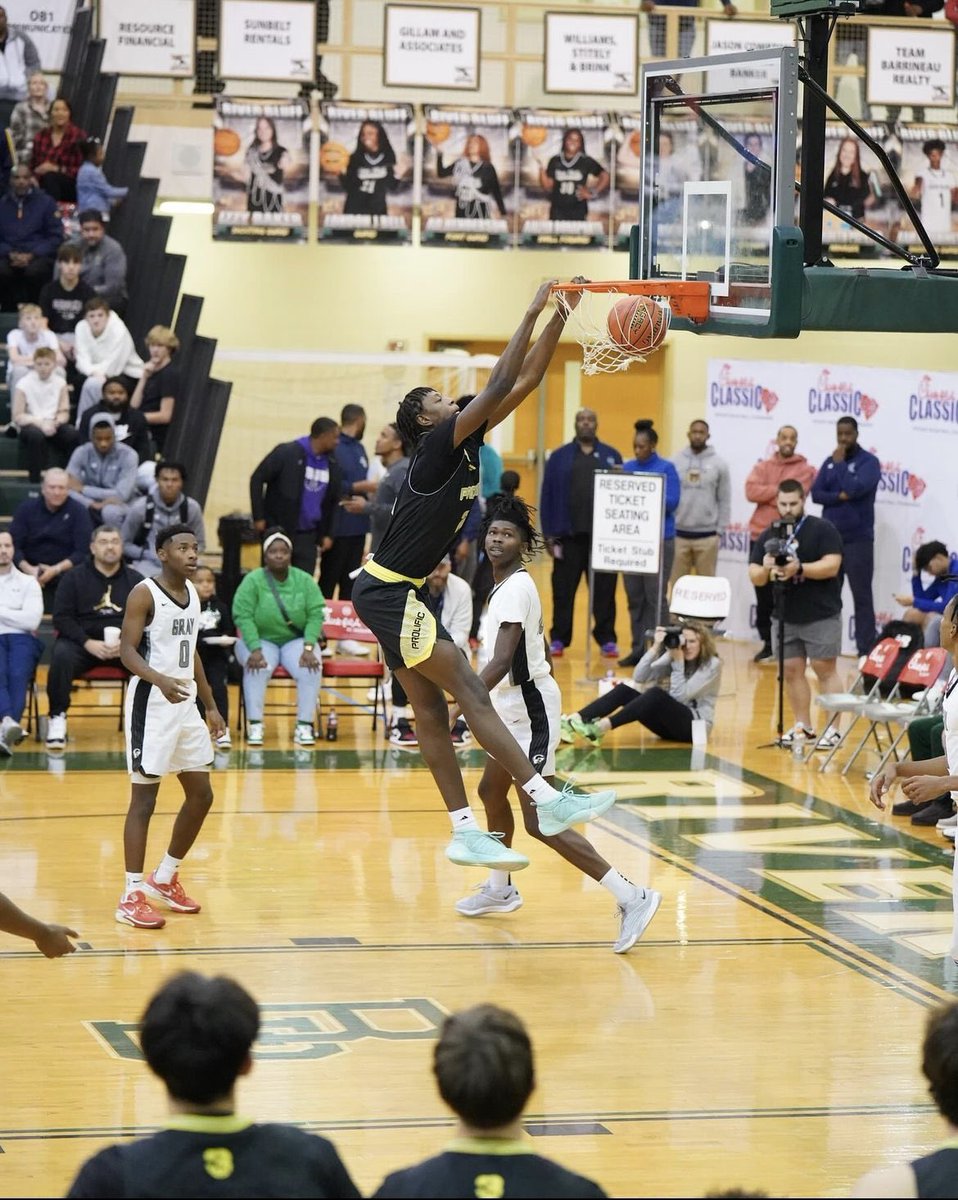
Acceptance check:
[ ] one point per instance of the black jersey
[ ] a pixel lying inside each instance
(937, 1174)
(368, 179)
(569, 175)
(218, 1156)
(435, 499)
(486, 1168)
(477, 188)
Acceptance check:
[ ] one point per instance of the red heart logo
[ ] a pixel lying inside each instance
(769, 399)
(916, 486)
(869, 407)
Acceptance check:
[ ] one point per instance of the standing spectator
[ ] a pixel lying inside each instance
(104, 261)
(566, 516)
(62, 300)
(18, 60)
(705, 506)
(490, 472)
(30, 234)
(21, 611)
(94, 190)
(647, 607)
(156, 393)
(103, 473)
(29, 116)
(392, 454)
(24, 341)
(761, 488)
(164, 505)
(56, 155)
(41, 414)
(686, 26)
(297, 487)
(349, 529)
(216, 638)
(130, 424)
(845, 487)
(91, 598)
(51, 533)
(104, 347)
(927, 602)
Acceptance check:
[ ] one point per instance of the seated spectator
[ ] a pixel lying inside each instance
(925, 741)
(62, 300)
(53, 941)
(94, 190)
(91, 599)
(102, 473)
(41, 414)
(279, 612)
(30, 116)
(483, 1065)
(165, 504)
(23, 342)
(693, 671)
(30, 235)
(104, 261)
(130, 425)
(18, 59)
(56, 156)
(155, 394)
(21, 611)
(51, 533)
(216, 623)
(104, 347)
(931, 589)
(197, 1036)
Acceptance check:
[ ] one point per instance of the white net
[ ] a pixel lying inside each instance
(587, 319)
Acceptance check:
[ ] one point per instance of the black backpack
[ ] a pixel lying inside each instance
(910, 638)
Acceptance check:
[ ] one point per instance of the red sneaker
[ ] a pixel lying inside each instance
(134, 910)
(170, 894)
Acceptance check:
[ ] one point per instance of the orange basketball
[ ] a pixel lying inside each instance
(533, 135)
(226, 142)
(333, 158)
(437, 132)
(637, 324)
(635, 143)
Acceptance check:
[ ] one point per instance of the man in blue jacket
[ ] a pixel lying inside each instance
(845, 487)
(565, 510)
(349, 529)
(31, 233)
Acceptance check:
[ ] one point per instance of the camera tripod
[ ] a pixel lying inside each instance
(778, 613)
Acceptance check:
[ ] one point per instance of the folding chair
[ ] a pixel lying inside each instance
(98, 680)
(343, 624)
(866, 687)
(280, 675)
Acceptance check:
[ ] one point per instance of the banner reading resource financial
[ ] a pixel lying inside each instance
(735, 37)
(155, 39)
(911, 66)
(47, 25)
(427, 46)
(627, 522)
(267, 39)
(591, 53)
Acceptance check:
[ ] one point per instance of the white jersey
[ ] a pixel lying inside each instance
(949, 711)
(936, 193)
(170, 637)
(516, 600)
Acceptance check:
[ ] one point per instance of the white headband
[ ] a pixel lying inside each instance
(276, 537)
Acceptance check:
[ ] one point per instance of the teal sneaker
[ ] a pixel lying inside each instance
(475, 848)
(566, 732)
(587, 729)
(571, 808)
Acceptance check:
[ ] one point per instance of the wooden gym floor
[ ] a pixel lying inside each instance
(764, 1033)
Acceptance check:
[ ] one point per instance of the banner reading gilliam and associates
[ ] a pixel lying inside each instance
(429, 46)
(260, 170)
(155, 40)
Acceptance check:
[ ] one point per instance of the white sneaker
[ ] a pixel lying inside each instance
(57, 731)
(488, 899)
(635, 916)
(224, 741)
(949, 832)
(11, 734)
(789, 735)
(304, 734)
(949, 822)
(829, 740)
(353, 648)
(254, 733)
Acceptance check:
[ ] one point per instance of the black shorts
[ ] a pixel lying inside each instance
(400, 617)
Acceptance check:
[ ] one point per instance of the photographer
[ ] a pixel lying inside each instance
(684, 656)
(802, 556)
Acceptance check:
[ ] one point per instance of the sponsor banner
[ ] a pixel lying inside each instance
(260, 170)
(366, 159)
(736, 37)
(468, 177)
(47, 25)
(267, 39)
(565, 169)
(627, 517)
(427, 46)
(586, 52)
(158, 41)
(902, 416)
(911, 65)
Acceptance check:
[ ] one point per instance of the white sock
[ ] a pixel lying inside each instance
(133, 881)
(463, 818)
(620, 887)
(499, 879)
(540, 791)
(603, 724)
(167, 869)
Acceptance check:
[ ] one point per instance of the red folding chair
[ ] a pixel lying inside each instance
(344, 624)
(872, 673)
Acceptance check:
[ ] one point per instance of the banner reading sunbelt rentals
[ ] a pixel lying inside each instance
(909, 419)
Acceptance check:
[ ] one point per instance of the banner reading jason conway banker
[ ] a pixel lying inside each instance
(260, 170)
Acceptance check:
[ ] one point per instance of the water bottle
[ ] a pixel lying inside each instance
(332, 726)
(798, 744)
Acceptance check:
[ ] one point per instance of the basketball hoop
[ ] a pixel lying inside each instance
(588, 307)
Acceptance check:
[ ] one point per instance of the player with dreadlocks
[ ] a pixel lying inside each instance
(436, 496)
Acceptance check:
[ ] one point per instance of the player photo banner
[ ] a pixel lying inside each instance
(624, 196)
(366, 158)
(260, 170)
(929, 171)
(468, 177)
(911, 66)
(565, 168)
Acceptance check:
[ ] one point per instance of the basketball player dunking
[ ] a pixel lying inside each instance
(165, 733)
(433, 503)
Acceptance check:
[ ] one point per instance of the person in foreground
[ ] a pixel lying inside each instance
(165, 734)
(53, 941)
(934, 1174)
(484, 1069)
(197, 1036)
(519, 676)
(433, 503)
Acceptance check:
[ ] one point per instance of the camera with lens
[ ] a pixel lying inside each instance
(673, 637)
(779, 544)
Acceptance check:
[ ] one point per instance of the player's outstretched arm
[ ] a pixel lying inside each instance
(51, 940)
(139, 613)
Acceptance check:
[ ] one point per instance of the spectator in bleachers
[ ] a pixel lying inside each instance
(21, 611)
(94, 190)
(104, 261)
(56, 155)
(18, 60)
(131, 427)
(91, 598)
(41, 414)
(216, 623)
(104, 347)
(349, 529)
(933, 584)
(51, 533)
(30, 235)
(62, 299)
(29, 116)
(24, 341)
(165, 504)
(103, 473)
(158, 387)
